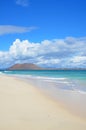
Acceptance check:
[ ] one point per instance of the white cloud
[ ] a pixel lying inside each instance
(22, 2)
(68, 52)
(78, 59)
(10, 29)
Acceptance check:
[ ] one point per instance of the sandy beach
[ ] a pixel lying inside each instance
(24, 107)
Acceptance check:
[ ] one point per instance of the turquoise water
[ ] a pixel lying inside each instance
(72, 74)
(66, 79)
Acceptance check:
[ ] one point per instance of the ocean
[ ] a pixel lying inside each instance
(66, 86)
(67, 79)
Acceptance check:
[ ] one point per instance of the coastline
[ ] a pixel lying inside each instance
(61, 91)
(23, 106)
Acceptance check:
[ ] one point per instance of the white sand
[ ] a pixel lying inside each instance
(23, 107)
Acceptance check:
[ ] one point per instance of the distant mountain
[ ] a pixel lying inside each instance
(25, 66)
(30, 66)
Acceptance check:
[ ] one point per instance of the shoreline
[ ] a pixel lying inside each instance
(24, 106)
(72, 101)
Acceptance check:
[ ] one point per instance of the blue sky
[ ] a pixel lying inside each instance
(45, 23)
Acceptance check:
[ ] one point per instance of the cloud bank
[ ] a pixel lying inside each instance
(9, 29)
(59, 53)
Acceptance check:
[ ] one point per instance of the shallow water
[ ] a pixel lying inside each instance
(70, 79)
